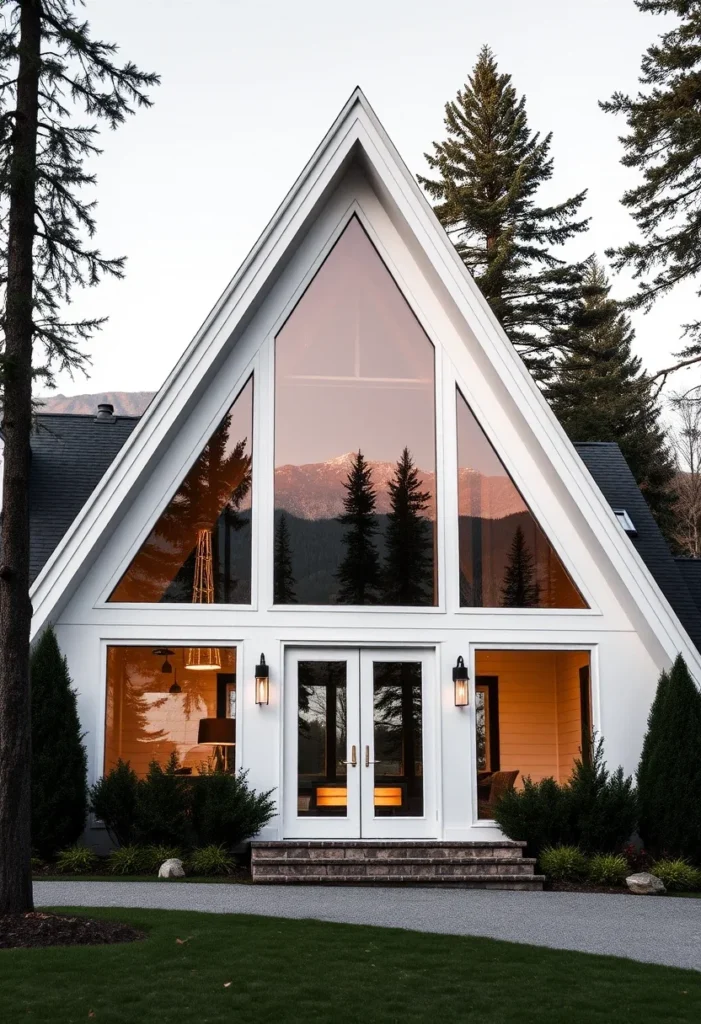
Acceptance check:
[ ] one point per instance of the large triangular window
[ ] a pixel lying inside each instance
(355, 439)
(506, 561)
(199, 551)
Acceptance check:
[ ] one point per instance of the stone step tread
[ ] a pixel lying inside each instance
(306, 844)
(375, 861)
(471, 881)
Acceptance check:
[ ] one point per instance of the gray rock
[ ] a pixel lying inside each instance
(172, 868)
(645, 884)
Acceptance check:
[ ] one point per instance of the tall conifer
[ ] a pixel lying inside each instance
(664, 145)
(284, 577)
(599, 393)
(520, 588)
(359, 571)
(408, 569)
(487, 175)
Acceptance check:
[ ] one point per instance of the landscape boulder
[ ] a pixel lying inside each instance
(171, 868)
(645, 884)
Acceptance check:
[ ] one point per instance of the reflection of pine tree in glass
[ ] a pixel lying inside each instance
(398, 717)
(520, 589)
(407, 577)
(359, 571)
(205, 494)
(284, 586)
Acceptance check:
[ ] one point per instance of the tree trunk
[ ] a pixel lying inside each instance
(15, 608)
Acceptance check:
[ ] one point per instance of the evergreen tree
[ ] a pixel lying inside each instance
(520, 588)
(407, 576)
(51, 71)
(599, 393)
(664, 144)
(284, 577)
(359, 571)
(59, 762)
(669, 774)
(488, 172)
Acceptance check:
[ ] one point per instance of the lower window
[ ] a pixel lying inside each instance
(167, 700)
(532, 719)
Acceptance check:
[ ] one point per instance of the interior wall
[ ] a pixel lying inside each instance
(539, 710)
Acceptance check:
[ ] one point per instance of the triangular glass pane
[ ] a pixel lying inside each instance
(506, 561)
(354, 372)
(199, 551)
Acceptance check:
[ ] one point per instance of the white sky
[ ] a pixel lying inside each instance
(249, 87)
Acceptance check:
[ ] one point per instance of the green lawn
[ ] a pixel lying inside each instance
(237, 969)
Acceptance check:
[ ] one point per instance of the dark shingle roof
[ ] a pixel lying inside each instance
(606, 463)
(70, 454)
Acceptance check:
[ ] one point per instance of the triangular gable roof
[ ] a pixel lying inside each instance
(356, 128)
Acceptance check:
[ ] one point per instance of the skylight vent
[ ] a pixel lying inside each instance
(625, 521)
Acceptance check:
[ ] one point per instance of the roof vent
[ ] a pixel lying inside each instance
(105, 411)
(625, 521)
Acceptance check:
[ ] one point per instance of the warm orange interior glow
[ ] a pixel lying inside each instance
(331, 796)
(144, 721)
(388, 796)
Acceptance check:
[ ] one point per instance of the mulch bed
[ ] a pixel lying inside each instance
(35, 929)
(585, 887)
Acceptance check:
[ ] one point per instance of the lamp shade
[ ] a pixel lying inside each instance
(219, 731)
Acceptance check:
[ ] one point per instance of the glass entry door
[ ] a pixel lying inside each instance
(358, 744)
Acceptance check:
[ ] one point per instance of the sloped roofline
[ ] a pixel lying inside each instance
(357, 125)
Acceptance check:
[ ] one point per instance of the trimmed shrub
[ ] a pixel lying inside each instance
(608, 869)
(226, 811)
(153, 856)
(536, 815)
(127, 860)
(602, 806)
(114, 799)
(211, 860)
(595, 811)
(669, 773)
(563, 863)
(678, 875)
(76, 860)
(59, 762)
(163, 811)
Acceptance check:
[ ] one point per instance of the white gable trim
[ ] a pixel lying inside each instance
(356, 126)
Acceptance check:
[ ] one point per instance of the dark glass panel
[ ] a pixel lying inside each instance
(200, 549)
(397, 726)
(505, 558)
(354, 372)
(321, 739)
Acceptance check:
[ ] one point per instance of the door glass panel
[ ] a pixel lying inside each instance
(321, 739)
(397, 730)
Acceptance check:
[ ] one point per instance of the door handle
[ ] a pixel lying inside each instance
(368, 762)
(354, 758)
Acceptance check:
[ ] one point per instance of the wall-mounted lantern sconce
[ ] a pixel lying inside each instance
(461, 680)
(262, 682)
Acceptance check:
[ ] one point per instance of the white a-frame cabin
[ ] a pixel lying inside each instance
(476, 614)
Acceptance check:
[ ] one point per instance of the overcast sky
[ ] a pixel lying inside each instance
(249, 87)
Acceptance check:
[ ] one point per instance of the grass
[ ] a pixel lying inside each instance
(210, 969)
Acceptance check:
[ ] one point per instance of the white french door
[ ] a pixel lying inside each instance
(359, 744)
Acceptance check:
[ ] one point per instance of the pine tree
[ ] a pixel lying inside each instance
(599, 393)
(520, 588)
(51, 69)
(407, 576)
(59, 762)
(359, 571)
(284, 577)
(669, 773)
(488, 172)
(664, 144)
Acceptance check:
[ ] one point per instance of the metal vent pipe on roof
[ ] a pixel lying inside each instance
(105, 411)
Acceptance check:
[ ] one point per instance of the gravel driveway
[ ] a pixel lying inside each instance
(654, 929)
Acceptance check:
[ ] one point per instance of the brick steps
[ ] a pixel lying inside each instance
(366, 862)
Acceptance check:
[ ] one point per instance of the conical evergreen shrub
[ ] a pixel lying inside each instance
(59, 763)
(669, 774)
